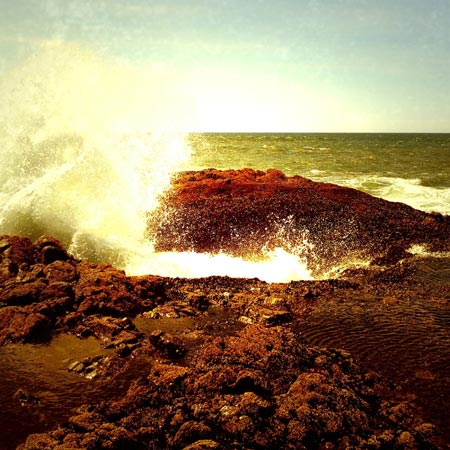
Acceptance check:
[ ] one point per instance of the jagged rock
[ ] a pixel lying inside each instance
(245, 212)
(48, 250)
(263, 388)
(246, 378)
(25, 398)
(170, 345)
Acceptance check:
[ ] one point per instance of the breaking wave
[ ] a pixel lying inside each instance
(412, 192)
(88, 146)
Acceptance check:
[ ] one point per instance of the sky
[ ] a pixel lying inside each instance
(260, 65)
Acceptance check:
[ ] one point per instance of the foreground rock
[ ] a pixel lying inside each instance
(237, 376)
(263, 388)
(246, 211)
(231, 370)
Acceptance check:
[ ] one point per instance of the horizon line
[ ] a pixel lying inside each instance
(317, 132)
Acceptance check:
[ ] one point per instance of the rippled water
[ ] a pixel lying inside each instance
(407, 341)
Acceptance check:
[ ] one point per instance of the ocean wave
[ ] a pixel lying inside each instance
(77, 158)
(409, 191)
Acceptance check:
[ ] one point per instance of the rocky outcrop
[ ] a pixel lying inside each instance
(245, 212)
(43, 289)
(223, 365)
(262, 388)
(235, 374)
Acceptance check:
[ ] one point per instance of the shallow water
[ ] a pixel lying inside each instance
(41, 370)
(408, 342)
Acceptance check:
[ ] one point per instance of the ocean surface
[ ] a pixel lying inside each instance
(408, 168)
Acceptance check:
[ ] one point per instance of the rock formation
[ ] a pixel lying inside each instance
(239, 375)
(245, 212)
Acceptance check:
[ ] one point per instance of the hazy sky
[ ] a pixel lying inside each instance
(264, 65)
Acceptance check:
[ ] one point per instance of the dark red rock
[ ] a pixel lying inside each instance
(168, 344)
(15, 252)
(43, 290)
(245, 212)
(23, 325)
(25, 398)
(239, 375)
(48, 250)
(21, 294)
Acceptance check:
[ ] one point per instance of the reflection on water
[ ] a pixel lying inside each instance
(218, 322)
(41, 370)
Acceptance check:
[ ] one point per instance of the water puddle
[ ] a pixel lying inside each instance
(408, 342)
(192, 330)
(52, 392)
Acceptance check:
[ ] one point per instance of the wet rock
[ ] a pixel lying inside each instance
(198, 300)
(21, 294)
(262, 388)
(61, 271)
(15, 252)
(102, 289)
(38, 441)
(203, 444)
(245, 211)
(87, 421)
(49, 250)
(59, 294)
(170, 345)
(20, 325)
(101, 366)
(189, 433)
(123, 338)
(150, 289)
(76, 367)
(268, 316)
(164, 311)
(25, 398)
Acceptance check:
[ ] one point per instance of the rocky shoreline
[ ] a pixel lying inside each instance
(235, 372)
(247, 212)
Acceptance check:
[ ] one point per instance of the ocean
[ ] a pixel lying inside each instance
(92, 190)
(408, 168)
(79, 163)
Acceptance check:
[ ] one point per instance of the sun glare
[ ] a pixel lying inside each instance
(240, 102)
(231, 101)
(234, 110)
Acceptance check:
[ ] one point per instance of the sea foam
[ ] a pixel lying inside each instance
(88, 147)
(410, 191)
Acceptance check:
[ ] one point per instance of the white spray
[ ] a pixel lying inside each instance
(81, 161)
